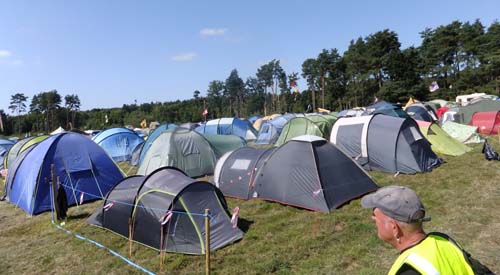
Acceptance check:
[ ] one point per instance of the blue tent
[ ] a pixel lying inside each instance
(228, 126)
(156, 133)
(86, 172)
(270, 130)
(119, 143)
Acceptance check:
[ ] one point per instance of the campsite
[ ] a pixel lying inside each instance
(462, 198)
(258, 137)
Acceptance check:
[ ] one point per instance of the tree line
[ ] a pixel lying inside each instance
(460, 57)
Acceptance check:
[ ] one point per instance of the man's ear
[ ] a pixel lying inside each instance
(396, 229)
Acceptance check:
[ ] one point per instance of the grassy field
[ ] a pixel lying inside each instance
(462, 196)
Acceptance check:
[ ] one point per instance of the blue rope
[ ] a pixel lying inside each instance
(96, 243)
(151, 208)
(104, 247)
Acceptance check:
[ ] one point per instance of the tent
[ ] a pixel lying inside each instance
(160, 129)
(119, 143)
(385, 143)
(316, 125)
(86, 172)
(5, 145)
(59, 130)
(271, 129)
(20, 147)
(189, 125)
(440, 141)
(306, 172)
(257, 123)
(222, 144)
(461, 132)
(311, 173)
(421, 111)
(464, 114)
(351, 112)
(235, 172)
(181, 148)
(386, 108)
(487, 123)
(228, 126)
(147, 200)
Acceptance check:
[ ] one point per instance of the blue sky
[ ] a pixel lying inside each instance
(113, 52)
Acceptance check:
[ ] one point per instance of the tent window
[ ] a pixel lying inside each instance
(241, 164)
(265, 129)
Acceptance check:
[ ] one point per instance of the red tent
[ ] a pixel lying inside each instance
(486, 122)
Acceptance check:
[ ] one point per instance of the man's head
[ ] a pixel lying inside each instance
(398, 202)
(398, 213)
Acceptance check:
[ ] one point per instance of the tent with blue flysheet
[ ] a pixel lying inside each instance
(5, 145)
(228, 126)
(119, 143)
(270, 130)
(85, 171)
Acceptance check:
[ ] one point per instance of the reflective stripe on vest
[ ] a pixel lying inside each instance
(432, 256)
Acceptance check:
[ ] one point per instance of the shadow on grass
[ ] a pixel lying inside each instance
(244, 224)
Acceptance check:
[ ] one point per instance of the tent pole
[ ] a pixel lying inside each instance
(161, 248)
(130, 238)
(53, 186)
(207, 241)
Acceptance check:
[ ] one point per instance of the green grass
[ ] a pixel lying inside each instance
(462, 196)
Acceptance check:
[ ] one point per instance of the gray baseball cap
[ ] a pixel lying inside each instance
(398, 202)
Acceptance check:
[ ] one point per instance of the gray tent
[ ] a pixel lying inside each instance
(385, 143)
(146, 201)
(306, 172)
(235, 171)
(181, 148)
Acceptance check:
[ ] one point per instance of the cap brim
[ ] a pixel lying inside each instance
(367, 201)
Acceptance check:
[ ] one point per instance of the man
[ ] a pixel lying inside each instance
(399, 213)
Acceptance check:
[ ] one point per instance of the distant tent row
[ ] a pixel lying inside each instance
(306, 172)
(385, 143)
(85, 171)
(143, 203)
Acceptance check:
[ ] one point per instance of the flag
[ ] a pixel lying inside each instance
(1, 122)
(234, 218)
(144, 123)
(375, 99)
(106, 118)
(205, 112)
(433, 87)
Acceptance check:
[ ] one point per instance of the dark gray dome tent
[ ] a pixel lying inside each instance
(235, 171)
(146, 200)
(311, 173)
(306, 172)
(385, 143)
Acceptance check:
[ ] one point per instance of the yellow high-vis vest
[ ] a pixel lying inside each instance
(433, 256)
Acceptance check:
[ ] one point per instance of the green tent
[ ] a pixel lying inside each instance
(296, 127)
(222, 144)
(461, 132)
(181, 148)
(440, 141)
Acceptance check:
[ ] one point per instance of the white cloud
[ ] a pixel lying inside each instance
(206, 32)
(184, 57)
(4, 53)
